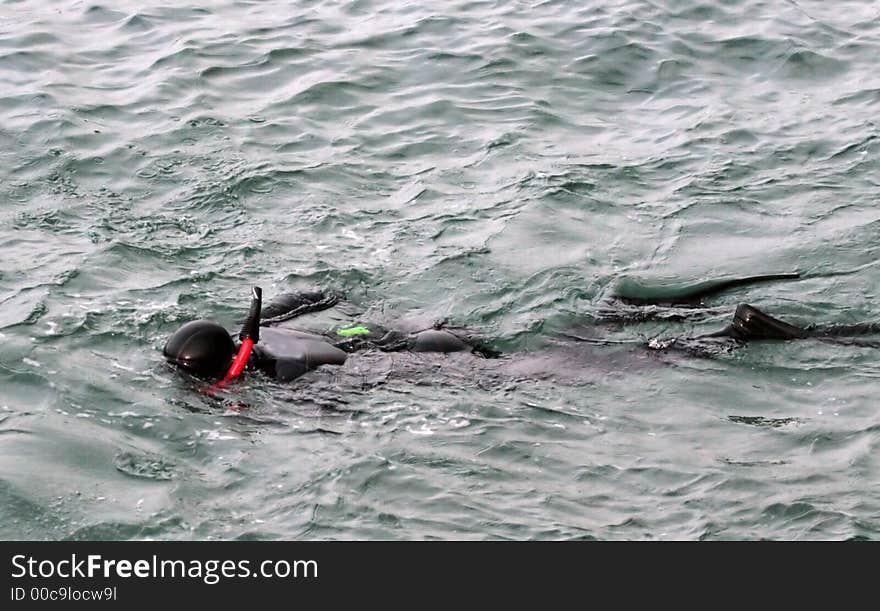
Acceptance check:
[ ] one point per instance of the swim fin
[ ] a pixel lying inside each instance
(750, 323)
(637, 292)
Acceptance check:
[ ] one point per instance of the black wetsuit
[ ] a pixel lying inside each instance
(287, 353)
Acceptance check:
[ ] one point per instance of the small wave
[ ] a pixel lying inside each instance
(145, 466)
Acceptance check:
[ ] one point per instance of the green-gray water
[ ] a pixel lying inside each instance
(501, 164)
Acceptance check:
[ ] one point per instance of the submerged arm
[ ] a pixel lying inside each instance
(290, 305)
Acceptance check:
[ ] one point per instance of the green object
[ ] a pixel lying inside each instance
(349, 331)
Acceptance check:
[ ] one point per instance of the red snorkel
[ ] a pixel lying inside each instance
(249, 335)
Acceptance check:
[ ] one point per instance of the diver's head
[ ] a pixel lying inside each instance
(201, 347)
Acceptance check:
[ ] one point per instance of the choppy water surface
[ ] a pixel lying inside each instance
(501, 164)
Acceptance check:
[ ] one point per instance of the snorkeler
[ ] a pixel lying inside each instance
(206, 349)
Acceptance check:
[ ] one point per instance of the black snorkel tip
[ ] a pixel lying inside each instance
(251, 328)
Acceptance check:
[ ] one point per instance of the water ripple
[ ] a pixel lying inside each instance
(501, 165)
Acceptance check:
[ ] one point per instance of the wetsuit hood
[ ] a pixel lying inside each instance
(201, 347)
